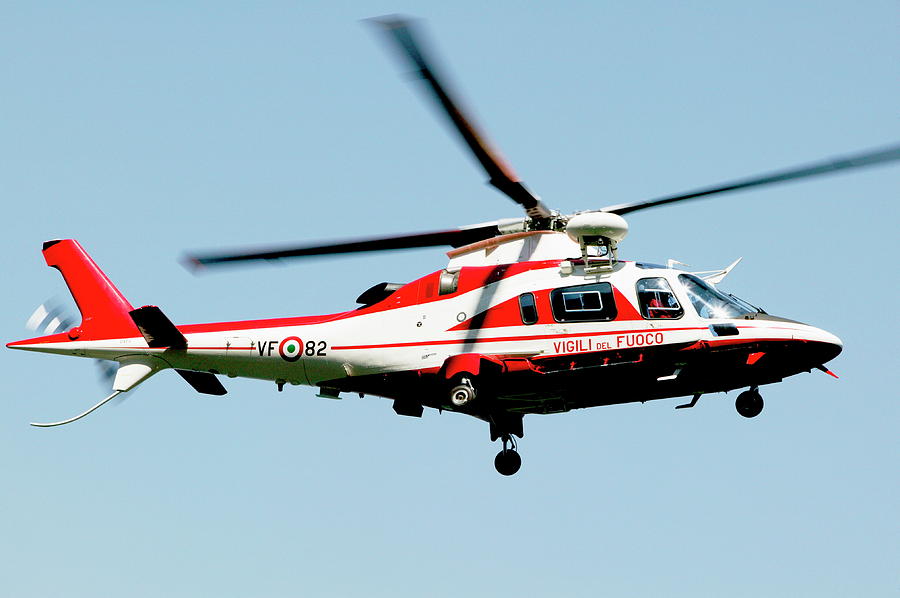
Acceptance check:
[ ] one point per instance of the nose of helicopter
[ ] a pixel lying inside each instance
(821, 345)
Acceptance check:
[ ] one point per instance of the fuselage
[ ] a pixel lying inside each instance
(556, 335)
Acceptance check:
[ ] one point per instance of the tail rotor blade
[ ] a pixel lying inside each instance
(52, 318)
(37, 318)
(106, 370)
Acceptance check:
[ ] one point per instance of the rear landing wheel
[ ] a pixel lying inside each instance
(505, 427)
(507, 462)
(749, 403)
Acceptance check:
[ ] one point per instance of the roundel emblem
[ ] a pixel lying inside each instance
(291, 348)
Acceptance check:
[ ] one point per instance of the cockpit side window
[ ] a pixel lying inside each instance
(656, 300)
(584, 303)
(709, 302)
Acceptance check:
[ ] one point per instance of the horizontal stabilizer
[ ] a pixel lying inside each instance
(203, 382)
(158, 330)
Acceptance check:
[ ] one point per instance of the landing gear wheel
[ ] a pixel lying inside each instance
(462, 394)
(749, 403)
(507, 462)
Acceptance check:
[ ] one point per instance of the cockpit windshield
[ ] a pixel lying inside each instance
(711, 303)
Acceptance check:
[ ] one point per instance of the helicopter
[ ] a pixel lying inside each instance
(531, 315)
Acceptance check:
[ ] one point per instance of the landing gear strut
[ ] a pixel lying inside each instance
(749, 403)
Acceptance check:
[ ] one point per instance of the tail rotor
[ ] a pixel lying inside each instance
(106, 315)
(52, 317)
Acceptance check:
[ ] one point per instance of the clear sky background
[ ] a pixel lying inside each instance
(145, 129)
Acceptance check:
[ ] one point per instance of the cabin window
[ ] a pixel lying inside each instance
(528, 309)
(709, 302)
(656, 299)
(583, 303)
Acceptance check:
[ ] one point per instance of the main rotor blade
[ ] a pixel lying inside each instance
(868, 158)
(452, 238)
(500, 173)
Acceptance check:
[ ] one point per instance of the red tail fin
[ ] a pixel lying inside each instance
(104, 310)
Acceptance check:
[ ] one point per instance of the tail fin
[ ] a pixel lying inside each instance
(104, 310)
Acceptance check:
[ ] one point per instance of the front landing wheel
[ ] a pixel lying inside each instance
(749, 403)
(507, 462)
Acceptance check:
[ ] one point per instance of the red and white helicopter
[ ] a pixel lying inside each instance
(530, 315)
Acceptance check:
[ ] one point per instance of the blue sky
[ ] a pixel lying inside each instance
(146, 130)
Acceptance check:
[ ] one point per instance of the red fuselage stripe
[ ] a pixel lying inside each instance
(499, 339)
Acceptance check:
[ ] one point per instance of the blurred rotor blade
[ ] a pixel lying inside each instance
(452, 238)
(52, 317)
(868, 158)
(500, 173)
(106, 370)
